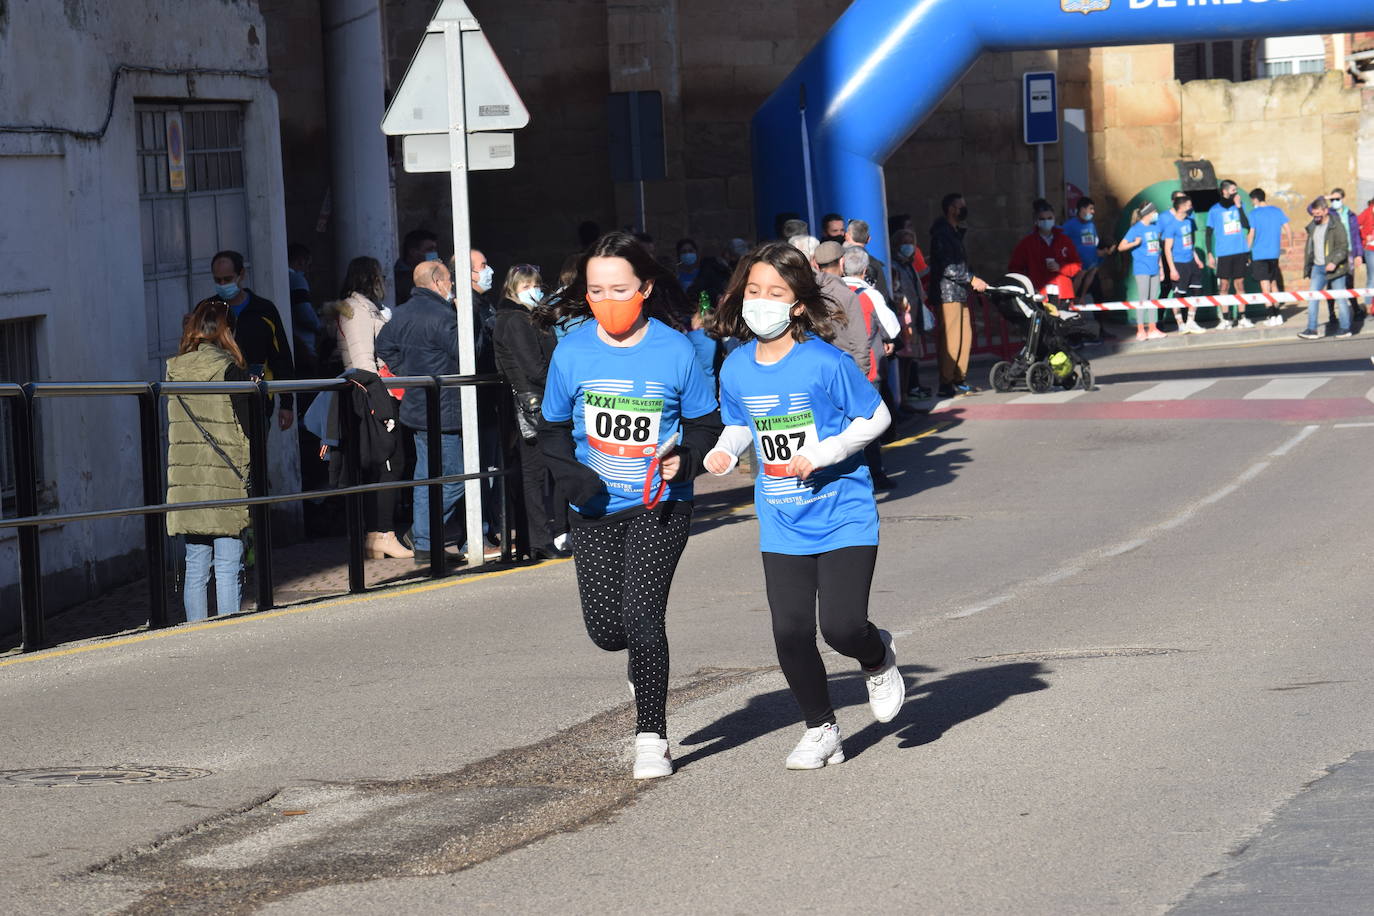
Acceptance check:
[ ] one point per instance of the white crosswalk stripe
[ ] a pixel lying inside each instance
(1286, 389)
(1053, 397)
(1173, 391)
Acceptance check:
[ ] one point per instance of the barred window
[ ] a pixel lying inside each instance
(19, 364)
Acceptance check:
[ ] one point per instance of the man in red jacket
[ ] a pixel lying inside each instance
(1366, 221)
(1047, 256)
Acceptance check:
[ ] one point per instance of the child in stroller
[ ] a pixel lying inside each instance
(1048, 358)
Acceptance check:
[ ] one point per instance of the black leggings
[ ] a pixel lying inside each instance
(841, 579)
(624, 571)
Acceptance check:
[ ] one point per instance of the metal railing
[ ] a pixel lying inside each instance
(22, 401)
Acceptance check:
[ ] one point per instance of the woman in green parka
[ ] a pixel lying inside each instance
(207, 458)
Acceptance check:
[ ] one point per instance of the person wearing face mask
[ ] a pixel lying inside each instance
(1142, 240)
(1228, 244)
(628, 417)
(952, 278)
(1326, 260)
(909, 273)
(422, 339)
(257, 327)
(1183, 263)
(1047, 256)
(418, 245)
(1336, 201)
(832, 228)
(808, 412)
(1082, 228)
(523, 352)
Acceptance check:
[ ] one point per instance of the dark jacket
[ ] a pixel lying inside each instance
(523, 352)
(379, 443)
(484, 307)
(261, 336)
(422, 339)
(949, 262)
(1337, 248)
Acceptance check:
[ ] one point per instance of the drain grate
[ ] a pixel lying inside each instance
(925, 518)
(1059, 655)
(120, 775)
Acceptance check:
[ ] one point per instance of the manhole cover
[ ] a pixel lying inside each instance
(1054, 655)
(925, 518)
(126, 774)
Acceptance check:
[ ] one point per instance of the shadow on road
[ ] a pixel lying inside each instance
(932, 708)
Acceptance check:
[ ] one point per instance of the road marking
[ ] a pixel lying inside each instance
(1053, 397)
(928, 431)
(252, 616)
(1352, 425)
(978, 608)
(1293, 442)
(1173, 391)
(1286, 389)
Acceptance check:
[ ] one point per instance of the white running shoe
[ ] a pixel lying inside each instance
(886, 686)
(1224, 325)
(1276, 321)
(1245, 323)
(651, 756)
(1194, 327)
(817, 747)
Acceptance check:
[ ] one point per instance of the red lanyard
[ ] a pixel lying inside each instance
(652, 496)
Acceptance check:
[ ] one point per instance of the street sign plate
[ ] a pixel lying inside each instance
(420, 105)
(1040, 107)
(430, 152)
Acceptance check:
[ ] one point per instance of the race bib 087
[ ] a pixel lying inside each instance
(778, 439)
(622, 426)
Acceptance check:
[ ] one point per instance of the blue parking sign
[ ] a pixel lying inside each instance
(1040, 104)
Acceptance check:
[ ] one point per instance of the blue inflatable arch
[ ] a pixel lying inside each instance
(820, 140)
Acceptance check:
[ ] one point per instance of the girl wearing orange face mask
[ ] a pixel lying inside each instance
(629, 416)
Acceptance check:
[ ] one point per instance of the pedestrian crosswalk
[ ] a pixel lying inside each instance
(1175, 390)
(1286, 389)
(1249, 388)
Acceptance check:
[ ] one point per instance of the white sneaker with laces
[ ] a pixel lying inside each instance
(886, 686)
(1224, 325)
(1245, 323)
(818, 747)
(651, 756)
(1194, 327)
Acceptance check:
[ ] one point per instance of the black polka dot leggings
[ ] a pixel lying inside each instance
(840, 579)
(624, 571)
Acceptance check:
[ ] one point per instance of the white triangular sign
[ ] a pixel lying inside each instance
(420, 105)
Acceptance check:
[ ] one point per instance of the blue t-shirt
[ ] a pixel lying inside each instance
(1084, 235)
(1268, 222)
(1145, 256)
(1182, 232)
(624, 402)
(812, 393)
(1228, 230)
(705, 347)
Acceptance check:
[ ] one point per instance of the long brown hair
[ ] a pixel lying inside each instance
(818, 316)
(208, 323)
(666, 301)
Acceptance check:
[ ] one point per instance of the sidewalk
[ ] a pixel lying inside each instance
(1294, 320)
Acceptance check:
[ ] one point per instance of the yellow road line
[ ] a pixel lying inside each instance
(267, 615)
(928, 431)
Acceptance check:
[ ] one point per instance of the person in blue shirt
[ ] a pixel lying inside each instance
(1270, 234)
(808, 411)
(1082, 228)
(1142, 240)
(620, 391)
(1228, 246)
(1181, 259)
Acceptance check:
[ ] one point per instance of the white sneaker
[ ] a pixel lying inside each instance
(1276, 321)
(1194, 327)
(886, 686)
(651, 756)
(1224, 325)
(817, 747)
(1245, 323)
(563, 541)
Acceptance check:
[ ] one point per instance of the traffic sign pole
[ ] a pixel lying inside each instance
(462, 289)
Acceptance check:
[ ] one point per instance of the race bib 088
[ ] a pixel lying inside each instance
(778, 439)
(622, 426)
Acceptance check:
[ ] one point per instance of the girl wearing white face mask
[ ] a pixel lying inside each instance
(523, 350)
(808, 411)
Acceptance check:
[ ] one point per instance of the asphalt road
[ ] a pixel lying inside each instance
(1134, 622)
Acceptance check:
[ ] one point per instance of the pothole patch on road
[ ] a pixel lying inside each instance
(119, 775)
(307, 837)
(1060, 655)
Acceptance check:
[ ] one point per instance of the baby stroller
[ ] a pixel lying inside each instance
(1048, 358)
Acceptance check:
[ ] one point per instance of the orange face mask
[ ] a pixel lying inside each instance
(615, 315)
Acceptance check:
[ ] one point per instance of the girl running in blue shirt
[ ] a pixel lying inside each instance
(808, 411)
(621, 390)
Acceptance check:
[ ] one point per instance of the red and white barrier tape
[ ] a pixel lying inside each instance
(1229, 300)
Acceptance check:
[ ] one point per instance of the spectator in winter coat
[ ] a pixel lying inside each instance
(1047, 256)
(418, 245)
(1326, 259)
(257, 328)
(952, 278)
(207, 458)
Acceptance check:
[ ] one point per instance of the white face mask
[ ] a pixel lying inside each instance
(484, 278)
(767, 318)
(530, 297)
(1045, 224)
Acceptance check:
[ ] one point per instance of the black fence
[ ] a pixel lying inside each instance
(21, 400)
